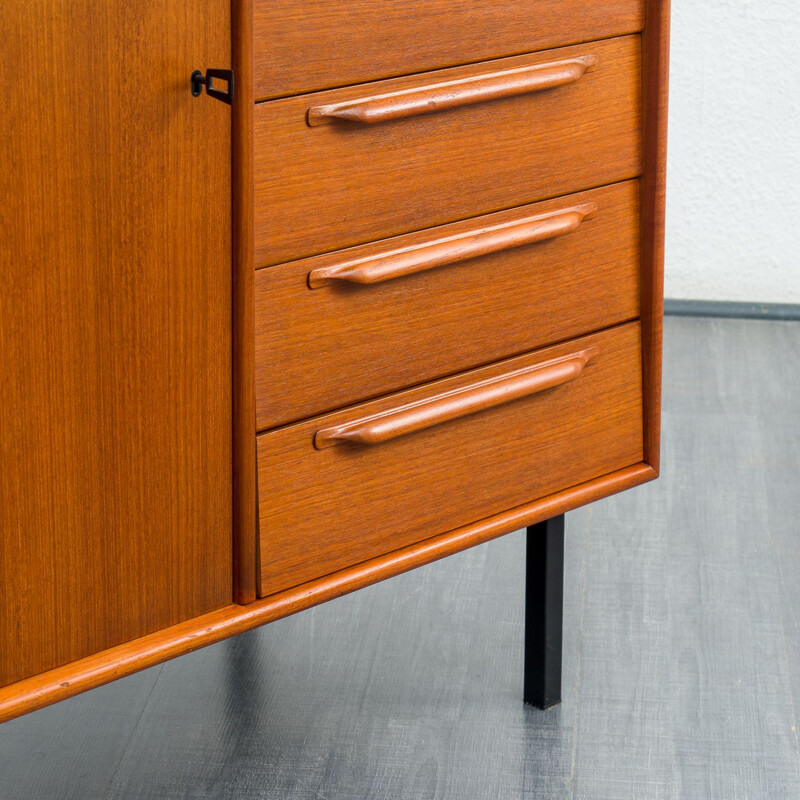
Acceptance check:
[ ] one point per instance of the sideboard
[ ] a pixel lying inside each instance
(299, 296)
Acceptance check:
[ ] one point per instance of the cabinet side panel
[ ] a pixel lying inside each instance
(115, 305)
(655, 76)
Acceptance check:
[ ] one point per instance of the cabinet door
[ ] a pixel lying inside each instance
(115, 367)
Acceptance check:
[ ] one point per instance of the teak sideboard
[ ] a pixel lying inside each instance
(297, 296)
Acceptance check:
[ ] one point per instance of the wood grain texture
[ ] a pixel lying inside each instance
(301, 47)
(324, 510)
(115, 487)
(655, 75)
(333, 186)
(88, 673)
(435, 323)
(245, 520)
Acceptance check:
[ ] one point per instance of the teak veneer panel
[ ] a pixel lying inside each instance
(340, 344)
(325, 509)
(115, 453)
(336, 185)
(302, 47)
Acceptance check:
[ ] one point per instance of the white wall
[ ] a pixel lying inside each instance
(733, 203)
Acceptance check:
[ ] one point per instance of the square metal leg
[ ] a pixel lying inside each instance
(544, 602)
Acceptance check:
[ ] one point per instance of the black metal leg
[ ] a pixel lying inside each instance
(544, 600)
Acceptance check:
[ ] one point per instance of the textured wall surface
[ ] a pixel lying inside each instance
(733, 208)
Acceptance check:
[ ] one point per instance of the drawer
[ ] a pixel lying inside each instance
(343, 488)
(342, 168)
(301, 47)
(397, 313)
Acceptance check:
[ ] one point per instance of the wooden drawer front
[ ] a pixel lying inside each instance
(302, 47)
(349, 486)
(550, 272)
(339, 182)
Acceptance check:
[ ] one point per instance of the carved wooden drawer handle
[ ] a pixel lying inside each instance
(450, 94)
(456, 403)
(479, 241)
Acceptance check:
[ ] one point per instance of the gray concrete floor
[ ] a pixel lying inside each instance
(681, 646)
